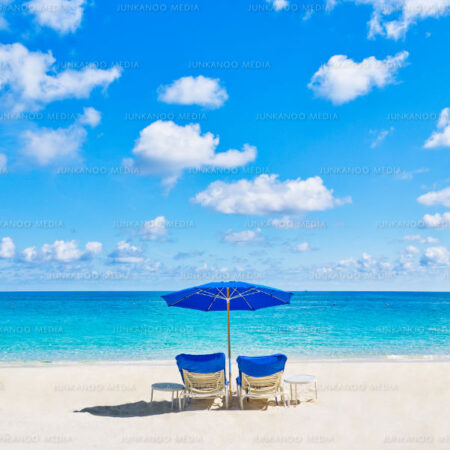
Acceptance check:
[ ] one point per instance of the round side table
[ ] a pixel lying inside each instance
(295, 380)
(175, 388)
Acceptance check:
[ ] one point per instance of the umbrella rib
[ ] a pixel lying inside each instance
(237, 292)
(214, 299)
(245, 300)
(186, 296)
(200, 291)
(262, 292)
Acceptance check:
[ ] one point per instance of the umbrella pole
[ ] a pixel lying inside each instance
(229, 346)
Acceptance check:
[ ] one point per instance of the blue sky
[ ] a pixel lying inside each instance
(157, 145)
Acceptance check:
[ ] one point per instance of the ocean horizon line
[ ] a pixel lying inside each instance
(171, 290)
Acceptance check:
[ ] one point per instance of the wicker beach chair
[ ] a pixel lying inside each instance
(203, 376)
(261, 377)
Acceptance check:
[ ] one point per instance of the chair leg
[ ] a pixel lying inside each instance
(226, 398)
(241, 401)
(151, 397)
(283, 398)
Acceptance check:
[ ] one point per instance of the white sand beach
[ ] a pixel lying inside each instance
(361, 405)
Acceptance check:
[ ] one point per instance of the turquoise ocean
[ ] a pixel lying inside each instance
(80, 326)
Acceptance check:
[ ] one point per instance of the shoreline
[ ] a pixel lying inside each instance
(391, 359)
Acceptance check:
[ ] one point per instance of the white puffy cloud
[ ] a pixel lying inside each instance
(355, 269)
(199, 90)
(284, 222)
(93, 248)
(46, 146)
(29, 254)
(266, 194)
(90, 117)
(433, 198)
(278, 5)
(366, 264)
(241, 238)
(341, 79)
(444, 118)
(125, 253)
(7, 248)
(392, 18)
(436, 256)
(301, 248)
(165, 148)
(412, 250)
(421, 239)
(61, 252)
(29, 81)
(3, 163)
(411, 262)
(407, 261)
(289, 223)
(440, 138)
(155, 229)
(64, 16)
(437, 220)
(68, 251)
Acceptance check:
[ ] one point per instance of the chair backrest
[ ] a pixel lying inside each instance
(269, 384)
(261, 366)
(204, 383)
(201, 364)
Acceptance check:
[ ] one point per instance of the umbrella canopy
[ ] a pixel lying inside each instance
(226, 296)
(241, 296)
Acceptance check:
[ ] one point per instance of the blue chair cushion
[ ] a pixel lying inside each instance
(260, 366)
(209, 363)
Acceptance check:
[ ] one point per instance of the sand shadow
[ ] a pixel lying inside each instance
(143, 409)
(136, 409)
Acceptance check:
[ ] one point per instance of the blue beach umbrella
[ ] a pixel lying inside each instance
(227, 296)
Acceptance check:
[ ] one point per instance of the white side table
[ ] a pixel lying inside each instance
(295, 380)
(174, 388)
